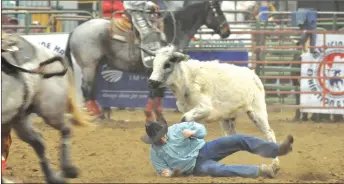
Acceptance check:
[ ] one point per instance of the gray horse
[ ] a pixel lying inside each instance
(91, 44)
(30, 86)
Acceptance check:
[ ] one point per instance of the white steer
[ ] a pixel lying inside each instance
(211, 91)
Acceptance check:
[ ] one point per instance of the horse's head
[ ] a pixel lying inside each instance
(216, 19)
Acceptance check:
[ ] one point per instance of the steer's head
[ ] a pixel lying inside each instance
(164, 64)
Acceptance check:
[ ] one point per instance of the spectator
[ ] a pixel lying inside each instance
(36, 30)
(7, 20)
(264, 6)
(111, 6)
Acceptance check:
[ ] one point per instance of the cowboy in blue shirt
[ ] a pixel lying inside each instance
(181, 150)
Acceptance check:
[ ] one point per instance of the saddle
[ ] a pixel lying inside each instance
(122, 29)
(16, 51)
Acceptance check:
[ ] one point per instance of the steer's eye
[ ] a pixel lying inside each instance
(167, 65)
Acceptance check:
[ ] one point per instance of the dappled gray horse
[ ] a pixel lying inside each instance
(33, 82)
(91, 43)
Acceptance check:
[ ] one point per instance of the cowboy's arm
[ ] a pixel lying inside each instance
(160, 165)
(198, 129)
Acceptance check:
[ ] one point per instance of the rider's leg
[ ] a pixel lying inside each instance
(150, 38)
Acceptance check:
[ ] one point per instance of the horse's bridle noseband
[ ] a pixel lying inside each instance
(214, 6)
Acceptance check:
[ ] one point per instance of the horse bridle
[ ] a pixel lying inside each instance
(214, 6)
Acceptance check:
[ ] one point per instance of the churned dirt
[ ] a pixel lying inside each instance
(113, 152)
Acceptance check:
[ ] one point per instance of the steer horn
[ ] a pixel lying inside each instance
(178, 55)
(147, 51)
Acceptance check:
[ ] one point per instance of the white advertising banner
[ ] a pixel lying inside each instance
(54, 42)
(327, 65)
(58, 43)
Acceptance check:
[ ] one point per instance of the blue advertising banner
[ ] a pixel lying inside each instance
(124, 89)
(223, 56)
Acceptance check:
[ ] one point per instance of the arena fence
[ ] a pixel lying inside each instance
(272, 46)
(55, 17)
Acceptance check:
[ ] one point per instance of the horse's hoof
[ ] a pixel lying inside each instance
(304, 118)
(56, 179)
(70, 172)
(296, 119)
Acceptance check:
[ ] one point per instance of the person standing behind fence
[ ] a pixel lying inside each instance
(8, 20)
(111, 6)
(263, 6)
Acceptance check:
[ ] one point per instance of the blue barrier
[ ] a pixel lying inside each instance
(223, 56)
(124, 89)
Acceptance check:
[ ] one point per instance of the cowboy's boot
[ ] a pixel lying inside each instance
(268, 171)
(286, 146)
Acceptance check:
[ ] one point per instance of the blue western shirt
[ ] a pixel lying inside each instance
(179, 152)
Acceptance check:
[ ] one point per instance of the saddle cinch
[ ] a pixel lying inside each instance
(16, 51)
(121, 29)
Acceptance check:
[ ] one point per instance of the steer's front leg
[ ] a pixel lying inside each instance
(201, 111)
(180, 106)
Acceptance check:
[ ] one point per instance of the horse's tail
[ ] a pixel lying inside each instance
(68, 53)
(79, 117)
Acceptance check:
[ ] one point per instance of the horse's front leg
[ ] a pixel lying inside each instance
(158, 95)
(201, 111)
(26, 133)
(180, 106)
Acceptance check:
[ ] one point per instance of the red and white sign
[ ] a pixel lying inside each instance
(329, 64)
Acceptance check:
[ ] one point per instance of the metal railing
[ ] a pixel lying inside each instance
(55, 14)
(270, 47)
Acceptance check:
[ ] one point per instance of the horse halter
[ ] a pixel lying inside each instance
(214, 6)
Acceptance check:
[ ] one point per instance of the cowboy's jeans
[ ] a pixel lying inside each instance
(215, 150)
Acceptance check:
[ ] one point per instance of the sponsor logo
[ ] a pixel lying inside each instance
(328, 66)
(110, 75)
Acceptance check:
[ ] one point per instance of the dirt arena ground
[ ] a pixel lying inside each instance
(113, 152)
